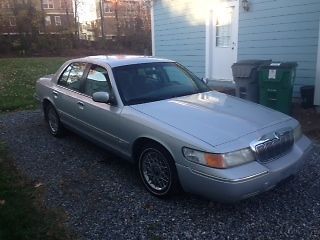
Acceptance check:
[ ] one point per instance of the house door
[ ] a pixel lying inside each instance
(223, 40)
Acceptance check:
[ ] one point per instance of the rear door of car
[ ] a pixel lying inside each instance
(101, 120)
(67, 94)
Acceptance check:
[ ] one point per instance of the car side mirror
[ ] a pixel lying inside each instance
(101, 97)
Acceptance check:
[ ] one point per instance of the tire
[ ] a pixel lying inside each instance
(158, 171)
(54, 124)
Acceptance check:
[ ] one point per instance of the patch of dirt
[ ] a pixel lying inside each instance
(309, 120)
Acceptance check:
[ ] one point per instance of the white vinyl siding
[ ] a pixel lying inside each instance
(178, 37)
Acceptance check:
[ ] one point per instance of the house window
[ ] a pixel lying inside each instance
(47, 20)
(12, 21)
(108, 7)
(57, 20)
(224, 28)
(47, 4)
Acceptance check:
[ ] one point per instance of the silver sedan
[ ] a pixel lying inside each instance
(179, 133)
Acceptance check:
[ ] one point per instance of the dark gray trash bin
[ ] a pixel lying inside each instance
(307, 96)
(246, 77)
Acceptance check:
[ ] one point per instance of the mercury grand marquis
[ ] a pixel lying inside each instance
(179, 133)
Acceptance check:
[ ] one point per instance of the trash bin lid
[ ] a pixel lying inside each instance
(280, 65)
(244, 68)
(254, 62)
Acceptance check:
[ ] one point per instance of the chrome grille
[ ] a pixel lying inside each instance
(274, 145)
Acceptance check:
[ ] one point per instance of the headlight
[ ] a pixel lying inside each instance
(224, 160)
(297, 133)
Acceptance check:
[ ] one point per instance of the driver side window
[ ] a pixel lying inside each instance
(97, 81)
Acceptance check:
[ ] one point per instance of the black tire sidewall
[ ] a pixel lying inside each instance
(169, 190)
(59, 131)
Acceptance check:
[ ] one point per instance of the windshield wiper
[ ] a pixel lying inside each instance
(142, 100)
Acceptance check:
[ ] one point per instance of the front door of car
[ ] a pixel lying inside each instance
(67, 94)
(100, 120)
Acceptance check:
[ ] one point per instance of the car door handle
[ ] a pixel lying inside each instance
(55, 94)
(80, 104)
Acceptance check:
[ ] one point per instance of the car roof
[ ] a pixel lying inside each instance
(121, 60)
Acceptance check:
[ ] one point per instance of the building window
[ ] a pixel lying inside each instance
(12, 21)
(5, 4)
(131, 7)
(47, 20)
(57, 20)
(108, 7)
(64, 4)
(47, 4)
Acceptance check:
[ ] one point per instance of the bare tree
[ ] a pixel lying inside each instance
(137, 25)
(27, 21)
(101, 10)
(116, 11)
(66, 6)
(27, 16)
(77, 5)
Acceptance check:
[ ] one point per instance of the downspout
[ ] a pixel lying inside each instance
(317, 83)
(152, 28)
(209, 46)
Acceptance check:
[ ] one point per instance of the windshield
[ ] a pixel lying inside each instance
(148, 82)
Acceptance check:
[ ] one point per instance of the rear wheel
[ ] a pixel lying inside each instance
(54, 124)
(157, 171)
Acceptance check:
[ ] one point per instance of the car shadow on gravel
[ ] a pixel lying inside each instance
(104, 199)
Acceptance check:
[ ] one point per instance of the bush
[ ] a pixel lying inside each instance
(66, 44)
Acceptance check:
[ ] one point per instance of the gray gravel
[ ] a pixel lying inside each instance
(104, 199)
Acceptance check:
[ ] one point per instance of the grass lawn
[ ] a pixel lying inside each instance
(21, 213)
(18, 77)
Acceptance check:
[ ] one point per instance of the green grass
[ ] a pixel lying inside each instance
(22, 215)
(17, 80)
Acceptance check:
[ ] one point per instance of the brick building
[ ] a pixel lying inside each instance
(122, 17)
(46, 16)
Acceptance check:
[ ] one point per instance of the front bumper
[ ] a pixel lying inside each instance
(234, 184)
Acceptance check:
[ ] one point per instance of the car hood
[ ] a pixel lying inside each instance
(212, 117)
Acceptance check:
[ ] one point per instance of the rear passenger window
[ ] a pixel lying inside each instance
(71, 77)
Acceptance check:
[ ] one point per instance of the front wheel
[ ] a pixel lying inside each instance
(157, 171)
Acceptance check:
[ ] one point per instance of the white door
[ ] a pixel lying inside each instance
(222, 40)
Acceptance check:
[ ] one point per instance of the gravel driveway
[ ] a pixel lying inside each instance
(104, 199)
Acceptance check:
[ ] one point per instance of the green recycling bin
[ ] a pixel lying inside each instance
(276, 85)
